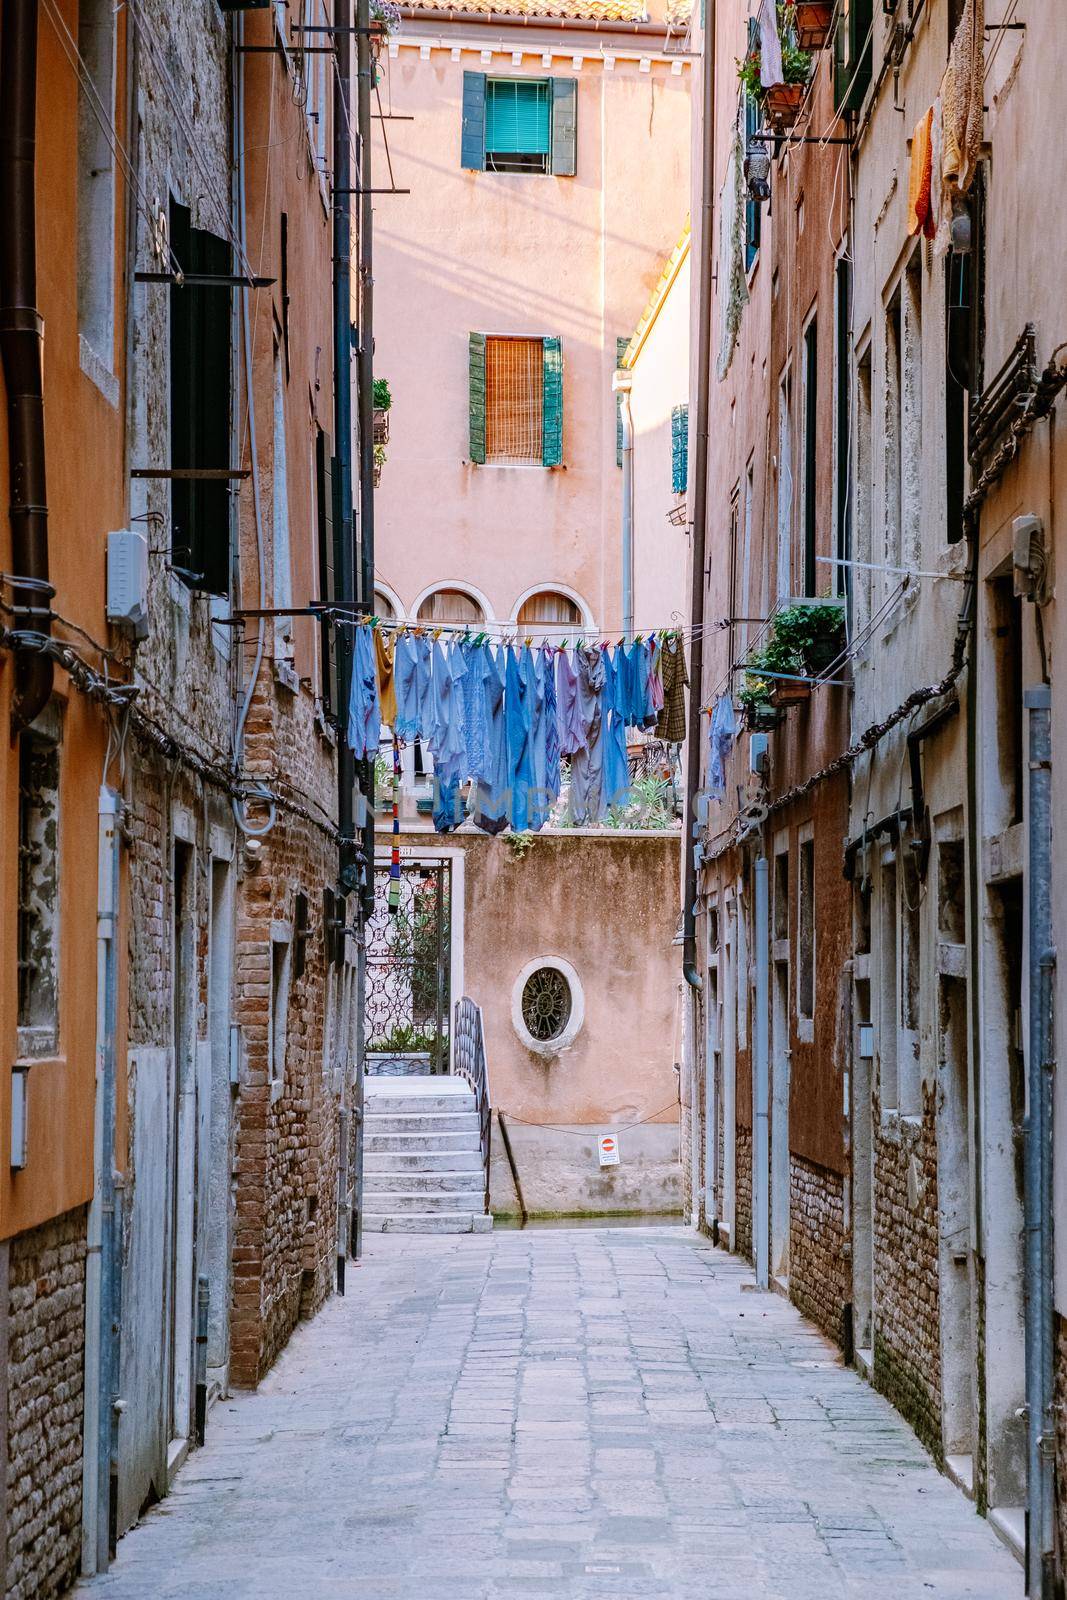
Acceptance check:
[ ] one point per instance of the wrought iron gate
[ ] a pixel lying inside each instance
(409, 991)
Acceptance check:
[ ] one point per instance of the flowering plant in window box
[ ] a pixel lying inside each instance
(383, 400)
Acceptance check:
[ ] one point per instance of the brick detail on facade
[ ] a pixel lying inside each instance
(818, 1268)
(742, 1241)
(907, 1338)
(46, 1353)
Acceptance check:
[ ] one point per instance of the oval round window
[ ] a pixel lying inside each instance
(546, 1004)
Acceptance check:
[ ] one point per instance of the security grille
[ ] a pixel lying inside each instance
(546, 1004)
(514, 410)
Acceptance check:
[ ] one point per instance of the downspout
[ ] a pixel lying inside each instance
(621, 384)
(342, 412)
(365, 77)
(22, 351)
(1041, 1431)
(700, 497)
(761, 1205)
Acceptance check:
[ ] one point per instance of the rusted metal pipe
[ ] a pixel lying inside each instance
(22, 350)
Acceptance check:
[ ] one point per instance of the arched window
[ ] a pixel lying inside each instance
(383, 607)
(548, 610)
(450, 605)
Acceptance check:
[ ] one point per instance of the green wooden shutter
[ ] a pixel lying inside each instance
(324, 495)
(679, 449)
(476, 367)
(621, 347)
(472, 144)
(564, 127)
(552, 402)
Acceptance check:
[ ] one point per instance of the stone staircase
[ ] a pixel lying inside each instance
(422, 1161)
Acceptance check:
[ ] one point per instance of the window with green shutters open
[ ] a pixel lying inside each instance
(516, 400)
(519, 125)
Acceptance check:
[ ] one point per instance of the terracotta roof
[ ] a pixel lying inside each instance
(562, 10)
(679, 13)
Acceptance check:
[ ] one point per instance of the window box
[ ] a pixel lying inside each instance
(784, 100)
(812, 20)
(761, 716)
(381, 426)
(789, 692)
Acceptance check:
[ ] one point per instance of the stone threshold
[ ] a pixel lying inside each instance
(1009, 1523)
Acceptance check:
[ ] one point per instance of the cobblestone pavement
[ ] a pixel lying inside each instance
(559, 1415)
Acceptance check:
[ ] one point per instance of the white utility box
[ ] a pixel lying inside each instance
(127, 581)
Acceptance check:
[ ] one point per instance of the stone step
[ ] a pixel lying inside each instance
(377, 1104)
(390, 1201)
(445, 1144)
(416, 1122)
(375, 1159)
(467, 1183)
(428, 1222)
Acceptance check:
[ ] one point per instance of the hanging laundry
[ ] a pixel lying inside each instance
(448, 810)
(572, 731)
(655, 681)
(770, 46)
(920, 211)
(540, 800)
(475, 720)
(723, 734)
(491, 797)
(587, 764)
(406, 681)
(518, 709)
(961, 99)
(615, 713)
(552, 740)
(364, 716)
(671, 724)
(444, 738)
(384, 649)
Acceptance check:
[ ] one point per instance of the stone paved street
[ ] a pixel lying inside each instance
(556, 1415)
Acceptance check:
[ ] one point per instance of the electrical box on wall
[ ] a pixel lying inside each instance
(19, 1083)
(759, 755)
(127, 581)
(866, 1041)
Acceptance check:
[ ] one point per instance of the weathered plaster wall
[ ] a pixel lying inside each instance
(533, 255)
(607, 904)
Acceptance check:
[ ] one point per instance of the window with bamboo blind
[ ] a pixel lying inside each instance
(516, 400)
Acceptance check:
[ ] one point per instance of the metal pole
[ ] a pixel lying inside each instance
(342, 413)
(365, 78)
(761, 1072)
(1041, 1434)
(621, 385)
(203, 1300)
(700, 497)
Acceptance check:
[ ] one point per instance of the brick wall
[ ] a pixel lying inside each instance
(1060, 1411)
(46, 1356)
(907, 1343)
(818, 1270)
(286, 1143)
(742, 1240)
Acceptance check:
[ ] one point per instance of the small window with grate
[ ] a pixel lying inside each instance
(518, 125)
(546, 1004)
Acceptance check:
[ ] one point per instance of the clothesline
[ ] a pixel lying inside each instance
(502, 718)
(572, 635)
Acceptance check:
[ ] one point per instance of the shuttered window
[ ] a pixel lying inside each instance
(679, 449)
(753, 210)
(200, 383)
(621, 347)
(519, 125)
(516, 400)
(328, 589)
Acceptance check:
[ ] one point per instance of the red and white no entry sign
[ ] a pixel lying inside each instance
(608, 1146)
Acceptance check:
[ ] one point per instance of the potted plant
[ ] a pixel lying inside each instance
(383, 401)
(782, 100)
(813, 635)
(758, 712)
(379, 463)
(811, 21)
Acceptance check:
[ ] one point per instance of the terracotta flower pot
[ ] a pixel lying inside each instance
(811, 20)
(381, 426)
(789, 693)
(784, 100)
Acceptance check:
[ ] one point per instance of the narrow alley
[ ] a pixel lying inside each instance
(559, 1413)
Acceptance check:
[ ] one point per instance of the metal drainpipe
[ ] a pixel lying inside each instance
(700, 499)
(761, 1205)
(1041, 1434)
(621, 384)
(342, 410)
(22, 350)
(365, 71)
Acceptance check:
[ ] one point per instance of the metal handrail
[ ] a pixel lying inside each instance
(469, 1062)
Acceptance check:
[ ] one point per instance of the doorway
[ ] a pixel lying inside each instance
(780, 1068)
(180, 1257)
(409, 967)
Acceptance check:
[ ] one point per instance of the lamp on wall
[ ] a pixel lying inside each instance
(758, 168)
